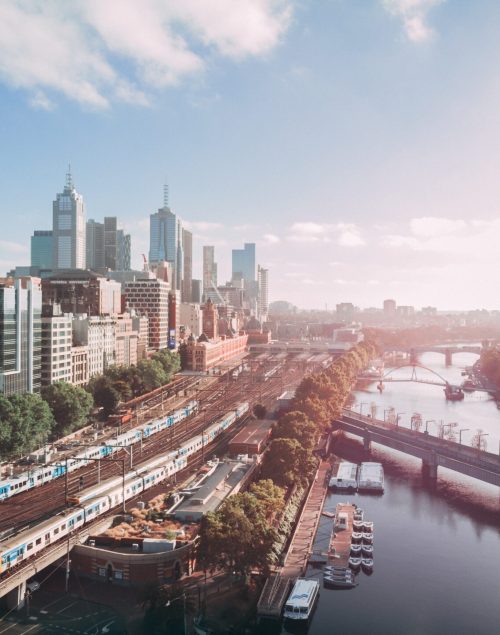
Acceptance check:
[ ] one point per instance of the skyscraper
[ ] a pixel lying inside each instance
(165, 242)
(68, 226)
(244, 263)
(41, 249)
(107, 246)
(209, 268)
(95, 245)
(20, 335)
(263, 280)
(187, 248)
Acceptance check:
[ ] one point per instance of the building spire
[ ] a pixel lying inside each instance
(69, 178)
(165, 194)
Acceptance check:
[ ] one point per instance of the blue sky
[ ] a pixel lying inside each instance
(356, 141)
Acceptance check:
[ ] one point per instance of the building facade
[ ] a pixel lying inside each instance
(98, 334)
(20, 335)
(42, 248)
(57, 341)
(209, 268)
(191, 318)
(150, 297)
(79, 365)
(187, 248)
(68, 227)
(78, 291)
(243, 263)
(202, 355)
(126, 341)
(263, 280)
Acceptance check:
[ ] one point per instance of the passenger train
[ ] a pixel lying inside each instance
(43, 474)
(97, 500)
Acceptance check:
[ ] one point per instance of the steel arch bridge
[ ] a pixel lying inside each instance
(414, 376)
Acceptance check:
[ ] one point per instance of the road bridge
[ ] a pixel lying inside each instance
(448, 351)
(433, 451)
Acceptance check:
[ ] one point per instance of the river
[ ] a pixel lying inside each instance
(436, 550)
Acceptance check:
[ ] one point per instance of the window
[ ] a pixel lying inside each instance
(38, 541)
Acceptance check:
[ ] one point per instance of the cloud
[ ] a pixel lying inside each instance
(309, 229)
(201, 226)
(349, 236)
(413, 14)
(429, 226)
(96, 52)
(344, 234)
(40, 101)
(271, 239)
(12, 247)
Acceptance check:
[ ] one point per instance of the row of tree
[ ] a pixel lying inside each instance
(490, 365)
(239, 536)
(28, 421)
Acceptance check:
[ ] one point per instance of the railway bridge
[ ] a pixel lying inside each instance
(433, 452)
(448, 351)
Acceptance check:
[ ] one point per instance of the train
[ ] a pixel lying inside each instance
(40, 475)
(99, 499)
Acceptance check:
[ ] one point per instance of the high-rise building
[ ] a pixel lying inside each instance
(20, 335)
(56, 345)
(165, 242)
(187, 248)
(41, 249)
(68, 226)
(209, 269)
(150, 297)
(78, 291)
(94, 245)
(107, 246)
(243, 262)
(196, 291)
(390, 307)
(263, 280)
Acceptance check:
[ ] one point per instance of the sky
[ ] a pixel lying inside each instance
(355, 141)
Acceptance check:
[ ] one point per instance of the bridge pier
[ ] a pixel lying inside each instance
(367, 442)
(15, 599)
(447, 357)
(413, 356)
(430, 468)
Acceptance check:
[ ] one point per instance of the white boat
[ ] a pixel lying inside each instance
(301, 600)
(367, 550)
(358, 525)
(356, 536)
(367, 539)
(339, 578)
(354, 563)
(358, 513)
(355, 549)
(367, 526)
(367, 564)
(371, 477)
(345, 478)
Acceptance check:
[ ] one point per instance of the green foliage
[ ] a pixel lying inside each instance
(287, 462)
(152, 374)
(105, 394)
(237, 537)
(270, 496)
(169, 361)
(297, 425)
(70, 406)
(260, 411)
(490, 365)
(26, 422)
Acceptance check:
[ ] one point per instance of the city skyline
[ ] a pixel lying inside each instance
(354, 144)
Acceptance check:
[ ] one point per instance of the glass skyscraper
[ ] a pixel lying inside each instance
(41, 249)
(165, 243)
(68, 226)
(244, 263)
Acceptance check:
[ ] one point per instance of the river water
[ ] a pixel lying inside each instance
(436, 550)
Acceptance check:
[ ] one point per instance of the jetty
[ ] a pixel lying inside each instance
(275, 591)
(340, 541)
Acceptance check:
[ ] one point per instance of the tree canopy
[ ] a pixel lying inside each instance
(26, 423)
(70, 406)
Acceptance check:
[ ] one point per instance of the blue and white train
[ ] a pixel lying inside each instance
(99, 499)
(37, 476)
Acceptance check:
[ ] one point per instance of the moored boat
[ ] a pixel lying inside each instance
(367, 550)
(367, 526)
(366, 538)
(367, 564)
(357, 525)
(355, 549)
(356, 536)
(355, 563)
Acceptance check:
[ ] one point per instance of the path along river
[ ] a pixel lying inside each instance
(436, 551)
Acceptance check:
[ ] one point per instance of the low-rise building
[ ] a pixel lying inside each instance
(202, 354)
(252, 439)
(126, 341)
(79, 365)
(98, 333)
(56, 345)
(191, 318)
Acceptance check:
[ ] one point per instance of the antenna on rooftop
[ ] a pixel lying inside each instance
(69, 178)
(165, 194)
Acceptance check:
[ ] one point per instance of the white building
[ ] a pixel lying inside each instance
(56, 345)
(191, 317)
(98, 333)
(68, 228)
(263, 280)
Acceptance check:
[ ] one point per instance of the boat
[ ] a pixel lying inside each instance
(354, 563)
(367, 550)
(355, 549)
(367, 538)
(301, 600)
(358, 515)
(367, 526)
(333, 570)
(356, 536)
(357, 525)
(453, 393)
(371, 477)
(367, 564)
(339, 583)
(346, 477)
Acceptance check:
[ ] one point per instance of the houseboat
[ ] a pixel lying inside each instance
(371, 477)
(345, 478)
(301, 600)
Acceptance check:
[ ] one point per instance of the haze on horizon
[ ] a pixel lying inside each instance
(354, 142)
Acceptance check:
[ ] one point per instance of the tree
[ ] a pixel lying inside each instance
(297, 425)
(26, 422)
(70, 405)
(105, 394)
(152, 374)
(260, 411)
(270, 496)
(169, 360)
(287, 462)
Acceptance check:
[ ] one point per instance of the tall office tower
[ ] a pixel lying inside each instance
(123, 251)
(244, 263)
(196, 291)
(68, 226)
(165, 242)
(263, 280)
(110, 229)
(150, 297)
(20, 335)
(95, 245)
(41, 249)
(390, 308)
(209, 268)
(187, 248)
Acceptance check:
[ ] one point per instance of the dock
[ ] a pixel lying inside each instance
(340, 541)
(275, 591)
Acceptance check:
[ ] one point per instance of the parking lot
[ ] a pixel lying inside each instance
(61, 615)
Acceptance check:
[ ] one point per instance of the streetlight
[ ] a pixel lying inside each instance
(460, 434)
(397, 418)
(481, 434)
(386, 411)
(361, 404)
(183, 598)
(427, 423)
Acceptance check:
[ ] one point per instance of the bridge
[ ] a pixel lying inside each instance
(433, 452)
(448, 351)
